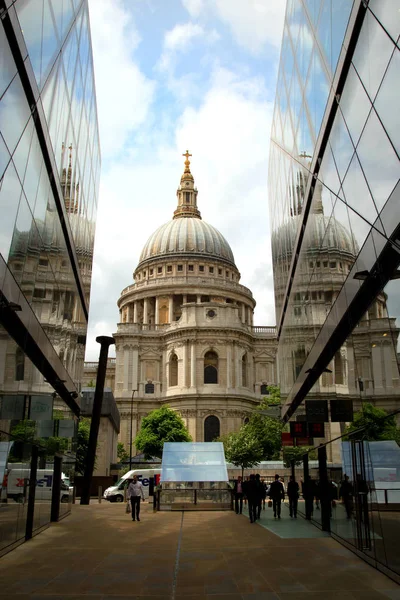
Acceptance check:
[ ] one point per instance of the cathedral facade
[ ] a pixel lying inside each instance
(186, 336)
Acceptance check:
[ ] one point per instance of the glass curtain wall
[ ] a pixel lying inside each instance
(334, 194)
(49, 174)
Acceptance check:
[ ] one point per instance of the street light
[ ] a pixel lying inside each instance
(130, 444)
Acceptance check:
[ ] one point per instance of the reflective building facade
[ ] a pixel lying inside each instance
(49, 174)
(334, 197)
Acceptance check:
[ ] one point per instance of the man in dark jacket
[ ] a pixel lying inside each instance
(250, 490)
(346, 494)
(260, 495)
(277, 494)
(293, 494)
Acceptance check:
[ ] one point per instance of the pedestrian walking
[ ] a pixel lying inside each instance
(238, 492)
(265, 486)
(277, 494)
(260, 495)
(250, 490)
(293, 495)
(135, 493)
(346, 494)
(308, 495)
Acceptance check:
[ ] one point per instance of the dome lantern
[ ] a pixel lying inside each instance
(187, 194)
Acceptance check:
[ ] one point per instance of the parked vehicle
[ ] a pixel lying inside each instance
(16, 481)
(116, 493)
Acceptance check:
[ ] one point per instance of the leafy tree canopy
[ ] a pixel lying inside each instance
(268, 432)
(242, 449)
(161, 425)
(274, 396)
(121, 452)
(378, 426)
(82, 445)
(296, 453)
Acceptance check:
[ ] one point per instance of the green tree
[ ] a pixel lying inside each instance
(268, 432)
(377, 424)
(242, 448)
(296, 453)
(161, 425)
(121, 452)
(274, 396)
(82, 445)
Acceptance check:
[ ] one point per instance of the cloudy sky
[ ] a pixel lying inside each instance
(173, 75)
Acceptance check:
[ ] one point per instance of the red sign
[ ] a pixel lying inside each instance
(287, 439)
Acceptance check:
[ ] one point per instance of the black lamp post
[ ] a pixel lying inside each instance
(130, 444)
(105, 342)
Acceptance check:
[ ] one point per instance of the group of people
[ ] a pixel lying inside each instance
(256, 492)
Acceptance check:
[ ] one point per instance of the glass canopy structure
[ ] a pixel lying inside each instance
(194, 461)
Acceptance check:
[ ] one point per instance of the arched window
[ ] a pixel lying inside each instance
(211, 428)
(173, 370)
(246, 420)
(211, 367)
(264, 389)
(244, 370)
(19, 365)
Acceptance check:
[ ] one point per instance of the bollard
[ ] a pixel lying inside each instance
(100, 492)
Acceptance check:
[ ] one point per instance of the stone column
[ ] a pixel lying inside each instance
(145, 311)
(156, 311)
(250, 316)
(135, 363)
(128, 313)
(184, 298)
(193, 365)
(171, 309)
(198, 299)
(135, 312)
(376, 358)
(237, 377)
(184, 364)
(126, 368)
(387, 350)
(228, 366)
(243, 313)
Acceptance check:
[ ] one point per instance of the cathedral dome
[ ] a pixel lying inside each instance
(322, 234)
(187, 234)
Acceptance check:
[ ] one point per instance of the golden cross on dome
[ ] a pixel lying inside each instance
(187, 161)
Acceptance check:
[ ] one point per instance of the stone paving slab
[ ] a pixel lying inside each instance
(99, 553)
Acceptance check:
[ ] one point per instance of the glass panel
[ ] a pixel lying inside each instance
(7, 64)
(387, 12)
(355, 105)
(356, 192)
(14, 114)
(193, 461)
(317, 91)
(10, 193)
(30, 16)
(386, 104)
(381, 169)
(341, 145)
(372, 54)
(341, 10)
(4, 156)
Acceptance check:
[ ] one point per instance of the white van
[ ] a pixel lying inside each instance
(15, 481)
(115, 493)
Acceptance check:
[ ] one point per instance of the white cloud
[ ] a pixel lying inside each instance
(194, 7)
(124, 93)
(181, 38)
(253, 23)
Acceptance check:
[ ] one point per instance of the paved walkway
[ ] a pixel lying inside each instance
(99, 553)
